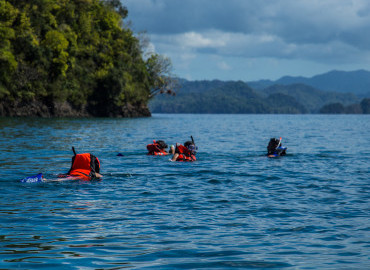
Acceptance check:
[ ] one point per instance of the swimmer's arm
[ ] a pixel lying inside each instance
(175, 156)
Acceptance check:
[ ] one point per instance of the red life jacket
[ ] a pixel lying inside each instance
(185, 154)
(84, 166)
(155, 150)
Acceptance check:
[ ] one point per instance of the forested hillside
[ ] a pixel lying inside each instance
(237, 97)
(313, 99)
(73, 57)
(223, 97)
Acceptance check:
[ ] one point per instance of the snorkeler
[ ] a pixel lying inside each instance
(185, 152)
(275, 148)
(84, 167)
(157, 148)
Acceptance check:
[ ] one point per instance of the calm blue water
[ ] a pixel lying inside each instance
(232, 209)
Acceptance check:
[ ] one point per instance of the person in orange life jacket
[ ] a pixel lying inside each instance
(185, 152)
(157, 148)
(84, 166)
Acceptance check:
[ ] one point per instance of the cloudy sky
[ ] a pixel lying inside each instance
(255, 39)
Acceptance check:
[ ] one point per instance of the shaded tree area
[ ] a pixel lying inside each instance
(281, 103)
(74, 57)
(333, 108)
(365, 105)
(339, 108)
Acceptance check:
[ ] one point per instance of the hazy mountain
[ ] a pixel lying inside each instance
(286, 95)
(223, 97)
(313, 99)
(356, 82)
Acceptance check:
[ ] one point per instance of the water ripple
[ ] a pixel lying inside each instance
(232, 209)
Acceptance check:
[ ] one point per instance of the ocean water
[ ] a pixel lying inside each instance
(231, 209)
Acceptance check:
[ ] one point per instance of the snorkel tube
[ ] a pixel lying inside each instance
(278, 143)
(195, 148)
(279, 151)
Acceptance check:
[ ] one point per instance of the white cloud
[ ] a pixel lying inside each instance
(223, 65)
(198, 40)
(304, 21)
(331, 32)
(254, 45)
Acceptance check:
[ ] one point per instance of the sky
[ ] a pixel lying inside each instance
(255, 39)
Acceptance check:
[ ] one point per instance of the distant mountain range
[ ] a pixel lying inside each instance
(356, 82)
(311, 98)
(286, 95)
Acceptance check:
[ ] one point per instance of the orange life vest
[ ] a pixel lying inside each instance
(154, 149)
(84, 166)
(185, 154)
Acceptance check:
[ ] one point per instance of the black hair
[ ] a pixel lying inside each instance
(162, 144)
(273, 143)
(187, 143)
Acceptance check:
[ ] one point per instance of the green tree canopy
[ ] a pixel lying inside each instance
(75, 51)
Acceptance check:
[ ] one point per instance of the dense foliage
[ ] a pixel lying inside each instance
(74, 51)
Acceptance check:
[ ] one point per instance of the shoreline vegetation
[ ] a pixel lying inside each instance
(75, 58)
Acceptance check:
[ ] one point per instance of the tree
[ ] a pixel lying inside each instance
(159, 68)
(365, 105)
(77, 52)
(8, 62)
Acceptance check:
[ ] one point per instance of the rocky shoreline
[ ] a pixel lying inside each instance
(41, 109)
